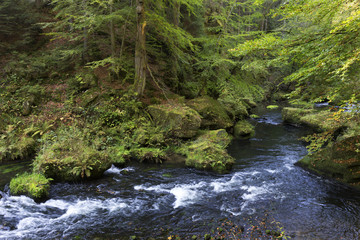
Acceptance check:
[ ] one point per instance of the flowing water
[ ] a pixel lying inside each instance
(153, 200)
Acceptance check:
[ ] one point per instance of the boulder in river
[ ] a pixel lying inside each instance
(208, 152)
(243, 129)
(33, 185)
(340, 161)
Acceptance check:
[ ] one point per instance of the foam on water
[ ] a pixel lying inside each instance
(116, 170)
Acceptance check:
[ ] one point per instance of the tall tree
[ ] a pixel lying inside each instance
(140, 48)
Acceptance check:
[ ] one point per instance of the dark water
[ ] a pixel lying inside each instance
(151, 200)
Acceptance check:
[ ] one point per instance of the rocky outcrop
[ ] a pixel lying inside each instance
(214, 115)
(178, 120)
(340, 161)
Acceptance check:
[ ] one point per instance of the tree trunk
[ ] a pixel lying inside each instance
(38, 3)
(140, 49)
(114, 71)
(85, 41)
(112, 33)
(174, 65)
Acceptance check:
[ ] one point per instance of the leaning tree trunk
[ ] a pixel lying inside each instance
(140, 50)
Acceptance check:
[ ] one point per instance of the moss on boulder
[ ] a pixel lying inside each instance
(219, 137)
(237, 108)
(13, 148)
(71, 158)
(178, 120)
(243, 129)
(33, 185)
(340, 161)
(293, 115)
(320, 121)
(208, 152)
(214, 115)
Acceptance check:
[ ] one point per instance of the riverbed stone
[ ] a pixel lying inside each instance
(243, 129)
(177, 120)
(214, 115)
(340, 161)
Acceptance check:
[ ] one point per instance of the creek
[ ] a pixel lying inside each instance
(158, 200)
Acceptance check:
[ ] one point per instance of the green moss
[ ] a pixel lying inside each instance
(272, 107)
(208, 152)
(70, 157)
(31, 184)
(214, 115)
(153, 155)
(243, 129)
(340, 161)
(235, 107)
(219, 137)
(293, 115)
(320, 121)
(177, 120)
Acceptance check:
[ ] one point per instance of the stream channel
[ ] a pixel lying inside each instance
(159, 200)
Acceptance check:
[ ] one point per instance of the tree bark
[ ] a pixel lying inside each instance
(140, 49)
(112, 33)
(38, 3)
(175, 63)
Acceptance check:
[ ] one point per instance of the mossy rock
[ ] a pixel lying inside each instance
(340, 161)
(272, 107)
(71, 158)
(33, 185)
(293, 115)
(219, 137)
(214, 115)
(177, 120)
(244, 129)
(208, 156)
(320, 121)
(237, 108)
(208, 152)
(249, 102)
(22, 148)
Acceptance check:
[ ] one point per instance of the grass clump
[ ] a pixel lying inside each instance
(34, 185)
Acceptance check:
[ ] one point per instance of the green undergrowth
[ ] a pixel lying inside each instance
(72, 153)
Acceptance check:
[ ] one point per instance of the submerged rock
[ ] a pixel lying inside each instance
(214, 115)
(340, 161)
(243, 129)
(178, 120)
